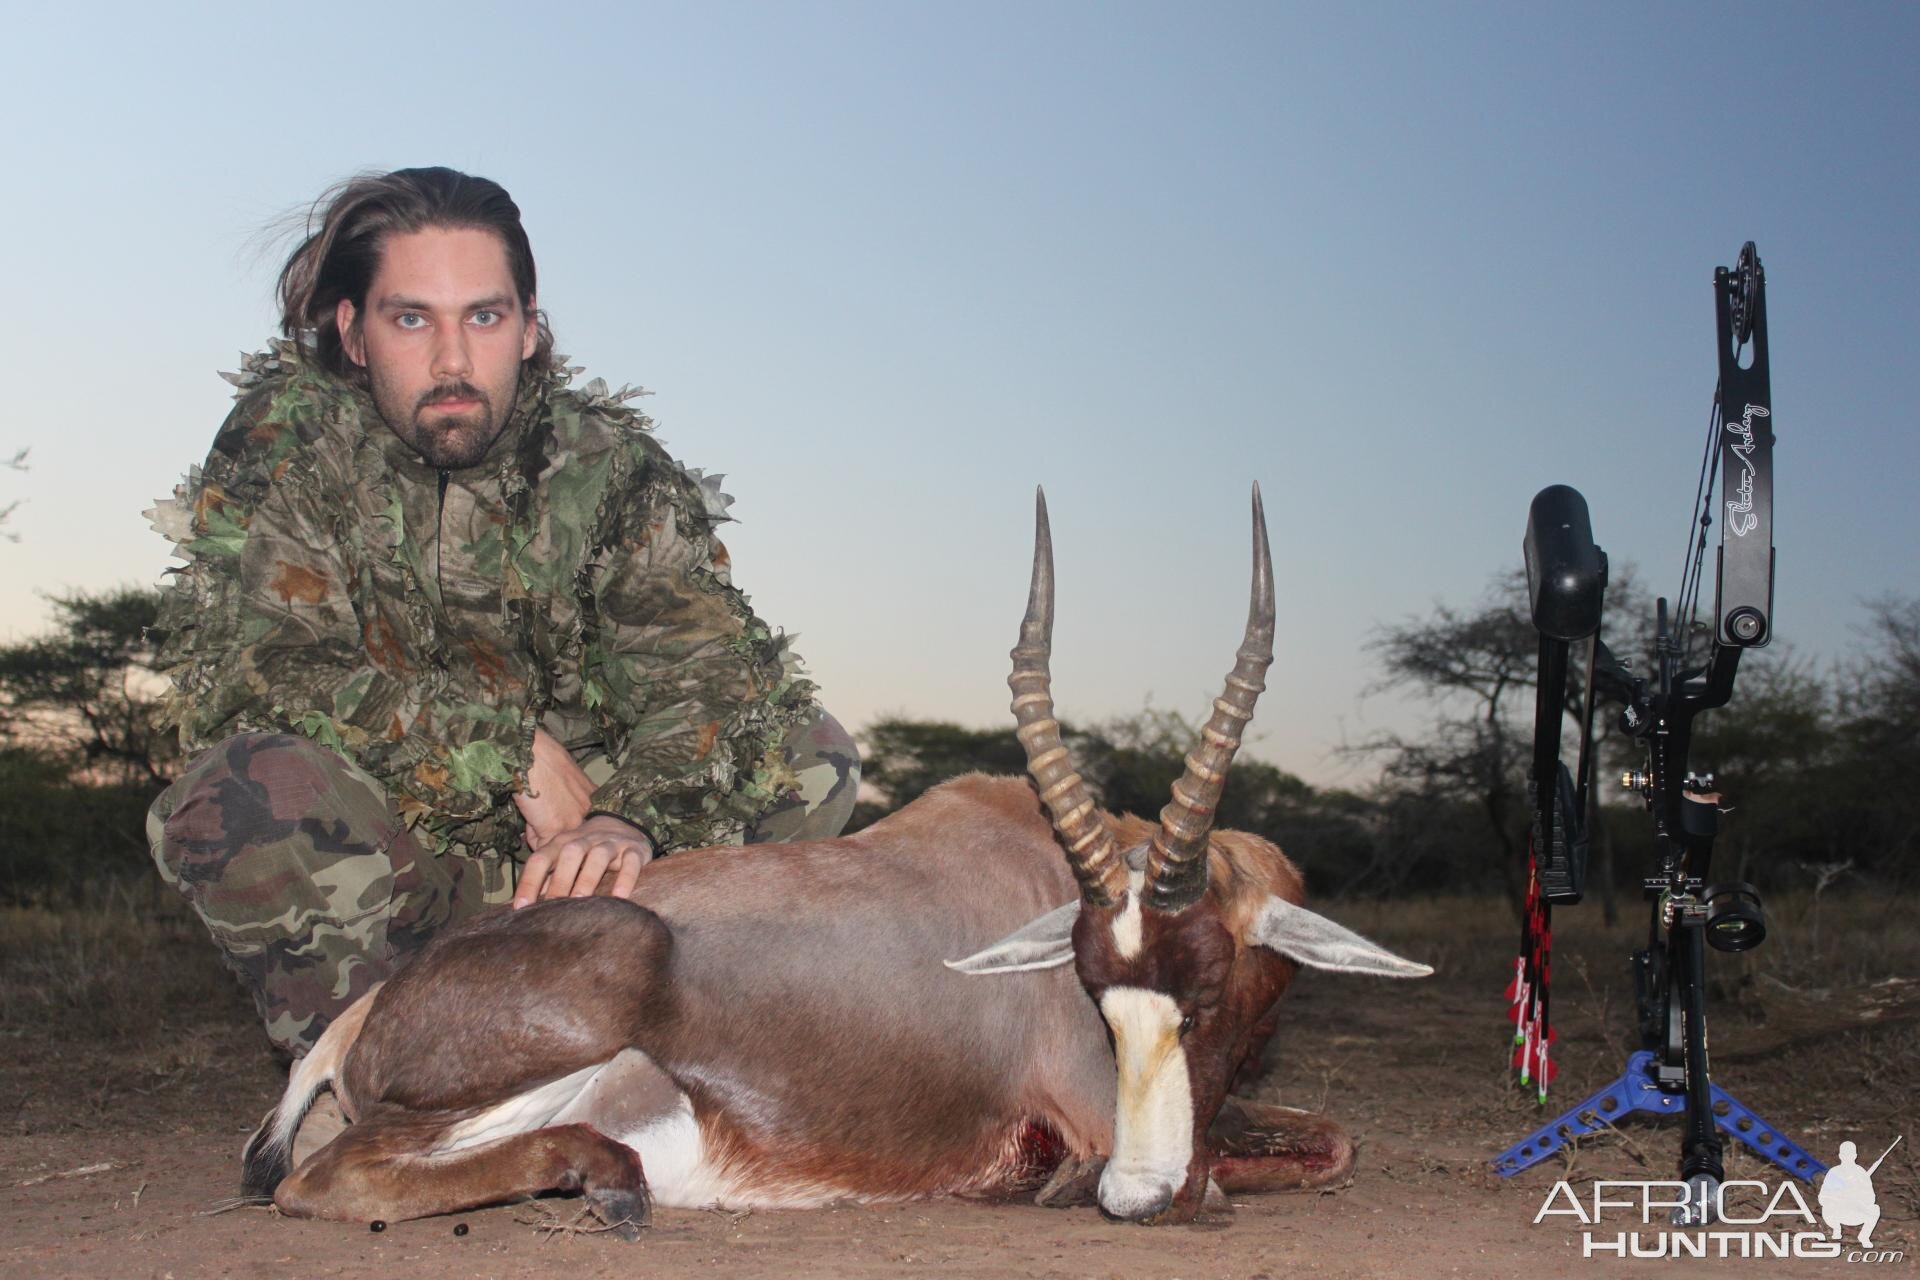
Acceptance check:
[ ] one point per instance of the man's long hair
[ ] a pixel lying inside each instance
(346, 230)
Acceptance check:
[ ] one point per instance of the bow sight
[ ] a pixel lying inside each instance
(1566, 583)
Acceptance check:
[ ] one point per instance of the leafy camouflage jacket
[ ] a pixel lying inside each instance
(425, 623)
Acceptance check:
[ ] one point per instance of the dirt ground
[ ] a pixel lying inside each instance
(130, 1074)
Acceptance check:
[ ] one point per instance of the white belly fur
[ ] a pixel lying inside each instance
(672, 1151)
(522, 1113)
(681, 1175)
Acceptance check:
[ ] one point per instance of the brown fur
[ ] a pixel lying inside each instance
(548, 990)
(1228, 986)
(795, 993)
(1256, 1147)
(377, 1169)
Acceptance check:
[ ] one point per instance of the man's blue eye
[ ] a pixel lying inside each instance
(408, 319)
(485, 318)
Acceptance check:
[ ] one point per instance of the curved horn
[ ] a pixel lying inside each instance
(1177, 860)
(1090, 847)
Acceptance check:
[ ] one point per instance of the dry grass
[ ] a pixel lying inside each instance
(1822, 1036)
(109, 974)
(105, 975)
(1841, 940)
(105, 1014)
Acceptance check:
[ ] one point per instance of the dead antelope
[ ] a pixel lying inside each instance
(777, 1026)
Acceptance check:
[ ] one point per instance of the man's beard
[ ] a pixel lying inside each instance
(447, 441)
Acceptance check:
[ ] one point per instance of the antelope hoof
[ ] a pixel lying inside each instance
(625, 1212)
(1074, 1183)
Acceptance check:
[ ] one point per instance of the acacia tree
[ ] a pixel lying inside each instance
(1478, 667)
(1129, 765)
(88, 691)
(901, 758)
(1772, 754)
(18, 462)
(81, 756)
(1878, 752)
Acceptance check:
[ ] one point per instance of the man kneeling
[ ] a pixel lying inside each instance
(443, 612)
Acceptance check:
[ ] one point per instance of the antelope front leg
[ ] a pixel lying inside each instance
(373, 1172)
(1074, 1183)
(1259, 1147)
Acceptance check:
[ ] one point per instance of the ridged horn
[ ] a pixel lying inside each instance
(1177, 858)
(1089, 846)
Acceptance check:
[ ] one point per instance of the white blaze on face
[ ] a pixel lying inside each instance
(1126, 925)
(1153, 1124)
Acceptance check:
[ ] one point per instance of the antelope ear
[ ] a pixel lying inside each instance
(1313, 940)
(1044, 942)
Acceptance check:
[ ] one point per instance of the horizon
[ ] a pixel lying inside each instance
(887, 270)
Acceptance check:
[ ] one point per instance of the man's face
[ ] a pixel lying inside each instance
(442, 339)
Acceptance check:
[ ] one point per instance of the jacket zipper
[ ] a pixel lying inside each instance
(439, 549)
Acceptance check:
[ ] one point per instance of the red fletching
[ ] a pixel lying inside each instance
(1526, 993)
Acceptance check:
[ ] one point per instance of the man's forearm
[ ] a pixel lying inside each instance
(558, 794)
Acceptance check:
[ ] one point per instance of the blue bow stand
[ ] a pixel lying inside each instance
(1635, 1090)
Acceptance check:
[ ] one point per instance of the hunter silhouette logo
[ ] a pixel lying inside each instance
(1846, 1194)
(1764, 1219)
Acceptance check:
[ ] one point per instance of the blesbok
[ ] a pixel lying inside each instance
(780, 1026)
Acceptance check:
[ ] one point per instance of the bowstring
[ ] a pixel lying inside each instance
(1687, 606)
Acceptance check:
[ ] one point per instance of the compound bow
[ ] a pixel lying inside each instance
(1566, 580)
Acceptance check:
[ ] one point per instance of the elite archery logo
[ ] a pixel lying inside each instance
(1740, 517)
(1630, 1219)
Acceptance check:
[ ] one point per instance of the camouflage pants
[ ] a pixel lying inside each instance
(314, 890)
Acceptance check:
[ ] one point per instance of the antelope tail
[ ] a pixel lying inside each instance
(268, 1158)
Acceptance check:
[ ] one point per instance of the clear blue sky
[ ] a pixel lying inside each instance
(889, 266)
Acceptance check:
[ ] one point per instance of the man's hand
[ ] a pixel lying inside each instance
(574, 863)
(558, 792)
